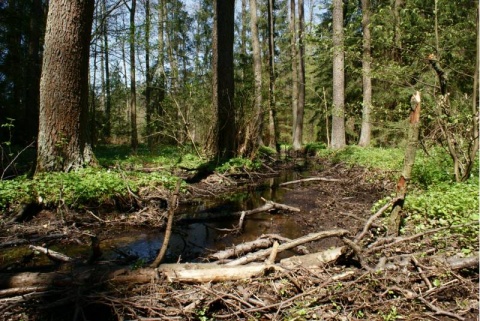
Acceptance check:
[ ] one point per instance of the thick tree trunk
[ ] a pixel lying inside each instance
(63, 125)
(367, 77)
(298, 125)
(226, 140)
(338, 112)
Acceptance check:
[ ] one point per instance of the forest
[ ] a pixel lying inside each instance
(275, 159)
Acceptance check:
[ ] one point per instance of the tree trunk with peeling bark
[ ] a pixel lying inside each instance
(395, 219)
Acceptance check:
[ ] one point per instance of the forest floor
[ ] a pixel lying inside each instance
(379, 277)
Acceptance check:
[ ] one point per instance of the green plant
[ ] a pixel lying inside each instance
(391, 316)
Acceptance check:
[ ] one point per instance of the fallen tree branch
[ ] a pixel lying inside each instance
(52, 255)
(269, 205)
(373, 218)
(241, 249)
(288, 245)
(311, 179)
(168, 231)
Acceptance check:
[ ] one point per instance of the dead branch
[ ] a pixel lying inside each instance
(168, 231)
(52, 255)
(288, 245)
(373, 218)
(311, 179)
(241, 249)
(268, 206)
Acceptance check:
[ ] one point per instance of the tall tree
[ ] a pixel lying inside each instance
(148, 73)
(298, 124)
(338, 112)
(225, 138)
(62, 138)
(257, 71)
(273, 126)
(294, 62)
(366, 75)
(133, 89)
(107, 90)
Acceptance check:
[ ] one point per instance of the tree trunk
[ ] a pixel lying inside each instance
(148, 73)
(367, 77)
(226, 140)
(273, 126)
(293, 45)
(338, 112)
(63, 125)
(257, 72)
(298, 124)
(133, 89)
(108, 99)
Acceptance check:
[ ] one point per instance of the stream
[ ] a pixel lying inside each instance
(198, 227)
(196, 230)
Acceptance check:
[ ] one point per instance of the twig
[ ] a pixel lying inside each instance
(420, 270)
(438, 310)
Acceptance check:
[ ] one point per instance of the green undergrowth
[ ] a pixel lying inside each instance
(120, 172)
(434, 200)
(79, 188)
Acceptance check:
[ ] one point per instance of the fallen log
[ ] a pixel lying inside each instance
(241, 249)
(201, 273)
(288, 245)
(311, 179)
(313, 260)
(268, 206)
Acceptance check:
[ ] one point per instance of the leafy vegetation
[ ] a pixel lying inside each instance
(434, 199)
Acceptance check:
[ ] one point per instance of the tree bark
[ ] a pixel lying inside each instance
(226, 140)
(63, 123)
(365, 134)
(338, 112)
(298, 125)
(257, 72)
(273, 126)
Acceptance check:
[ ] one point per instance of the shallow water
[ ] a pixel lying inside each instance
(197, 233)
